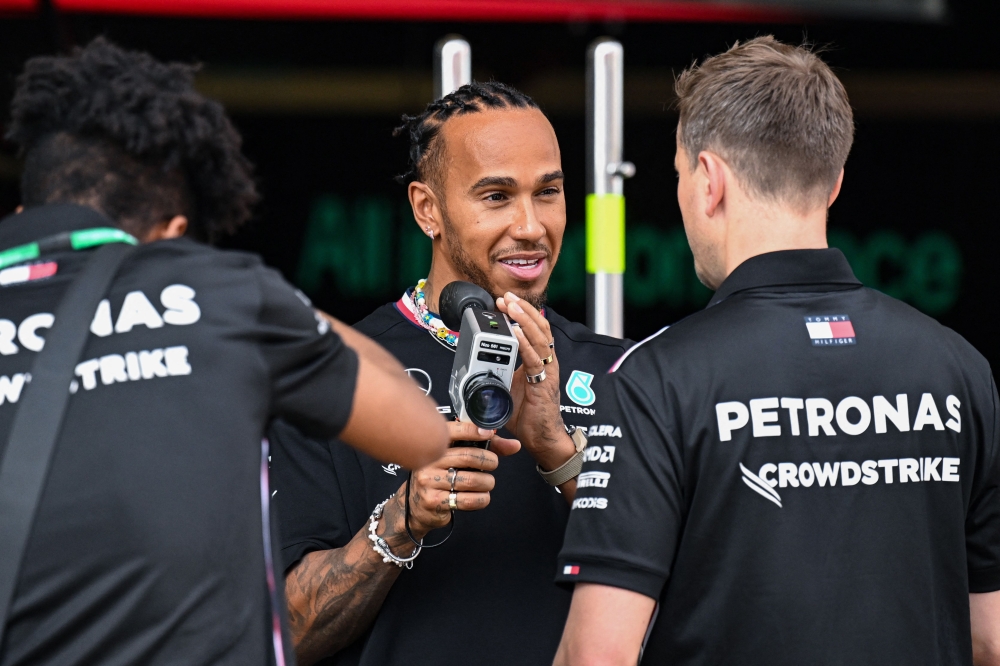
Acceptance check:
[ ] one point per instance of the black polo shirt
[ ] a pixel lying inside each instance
(486, 596)
(807, 474)
(147, 545)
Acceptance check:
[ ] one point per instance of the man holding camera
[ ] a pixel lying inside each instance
(486, 185)
(808, 471)
(138, 531)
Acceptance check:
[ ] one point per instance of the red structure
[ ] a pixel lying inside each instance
(458, 10)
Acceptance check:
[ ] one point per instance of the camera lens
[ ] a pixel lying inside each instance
(487, 401)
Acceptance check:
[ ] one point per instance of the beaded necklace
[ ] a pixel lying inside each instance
(430, 321)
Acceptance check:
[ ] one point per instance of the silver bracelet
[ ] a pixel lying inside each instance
(381, 547)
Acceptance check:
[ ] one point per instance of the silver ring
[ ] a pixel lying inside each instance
(452, 475)
(552, 345)
(536, 379)
(453, 501)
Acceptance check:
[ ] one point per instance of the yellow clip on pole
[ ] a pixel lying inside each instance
(605, 233)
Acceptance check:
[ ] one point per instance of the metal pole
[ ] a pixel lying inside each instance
(452, 65)
(605, 200)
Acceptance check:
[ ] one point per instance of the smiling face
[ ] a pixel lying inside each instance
(500, 193)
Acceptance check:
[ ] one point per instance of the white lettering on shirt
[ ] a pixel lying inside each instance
(819, 414)
(101, 326)
(590, 503)
(137, 310)
(816, 475)
(130, 367)
(178, 299)
(761, 418)
(731, 416)
(843, 415)
(853, 416)
(955, 422)
(602, 454)
(8, 331)
(10, 387)
(900, 415)
(26, 334)
(793, 405)
(927, 414)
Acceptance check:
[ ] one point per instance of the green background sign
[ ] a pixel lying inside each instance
(370, 247)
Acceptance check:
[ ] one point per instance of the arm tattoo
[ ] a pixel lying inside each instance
(333, 596)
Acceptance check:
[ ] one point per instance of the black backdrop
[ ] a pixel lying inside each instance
(916, 217)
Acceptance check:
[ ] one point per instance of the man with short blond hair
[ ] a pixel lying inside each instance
(808, 470)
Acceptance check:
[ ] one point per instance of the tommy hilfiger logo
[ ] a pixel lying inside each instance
(19, 274)
(826, 330)
(571, 570)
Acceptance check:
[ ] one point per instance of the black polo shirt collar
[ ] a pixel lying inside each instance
(789, 268)
(39, 222)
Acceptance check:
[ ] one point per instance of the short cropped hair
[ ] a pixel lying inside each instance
(776, 113)
(423, 130)
(130, 136)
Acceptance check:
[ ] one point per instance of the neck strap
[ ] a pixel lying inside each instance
(83, 239)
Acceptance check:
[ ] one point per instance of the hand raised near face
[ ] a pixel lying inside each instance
(537, 421)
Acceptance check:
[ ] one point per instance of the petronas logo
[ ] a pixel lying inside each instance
(578, 388)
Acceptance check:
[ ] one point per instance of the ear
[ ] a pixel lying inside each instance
(713, 176)
(172, 228)
(426, 211)
(836, 189)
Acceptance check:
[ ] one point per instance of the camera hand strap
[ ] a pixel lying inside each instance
(35, 429)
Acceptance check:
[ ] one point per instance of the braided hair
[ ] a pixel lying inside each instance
(129, 136)
(423, 129)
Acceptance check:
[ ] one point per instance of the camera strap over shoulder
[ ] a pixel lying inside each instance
(38, 420)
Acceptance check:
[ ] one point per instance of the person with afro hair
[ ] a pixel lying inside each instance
(144, 539)
(129, 136)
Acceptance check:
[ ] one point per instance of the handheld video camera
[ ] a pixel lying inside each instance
(484, 359)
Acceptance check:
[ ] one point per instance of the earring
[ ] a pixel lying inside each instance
(430, 232)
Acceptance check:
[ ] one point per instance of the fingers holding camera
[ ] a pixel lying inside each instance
(459, 431)
(534, 339)
(431, 509)
(464, 501)
(431, 493)
(537, 420)
(429, 506)
(465, 480)
(464, 468)
(535, 328)
(533, 364)
(503, 446)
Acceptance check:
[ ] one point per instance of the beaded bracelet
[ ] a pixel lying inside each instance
(381, 547)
